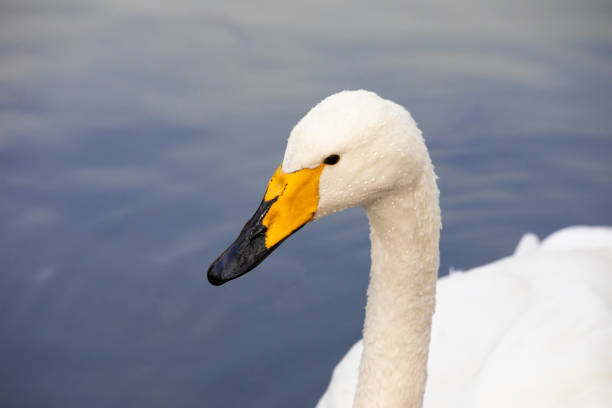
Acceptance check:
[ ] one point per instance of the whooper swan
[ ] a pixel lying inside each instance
(530, 330)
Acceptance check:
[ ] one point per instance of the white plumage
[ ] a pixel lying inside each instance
(530, 330)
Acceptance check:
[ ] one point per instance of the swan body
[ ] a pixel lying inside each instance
(531, 330)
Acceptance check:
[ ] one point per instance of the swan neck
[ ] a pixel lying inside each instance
(404, 234)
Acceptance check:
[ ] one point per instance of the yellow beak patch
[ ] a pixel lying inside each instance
(297, 199)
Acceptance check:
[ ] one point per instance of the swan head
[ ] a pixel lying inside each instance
(351, 149)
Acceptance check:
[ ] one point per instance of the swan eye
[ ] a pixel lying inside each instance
(332, 159)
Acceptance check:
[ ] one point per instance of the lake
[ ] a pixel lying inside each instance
(136, 140)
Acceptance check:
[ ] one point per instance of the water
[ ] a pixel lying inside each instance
(135, 140)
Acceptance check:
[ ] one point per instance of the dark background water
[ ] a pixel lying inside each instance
(135, 140)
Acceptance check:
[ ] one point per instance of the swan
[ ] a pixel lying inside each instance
(530, 330)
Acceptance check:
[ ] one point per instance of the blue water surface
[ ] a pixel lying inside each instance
(136, 139)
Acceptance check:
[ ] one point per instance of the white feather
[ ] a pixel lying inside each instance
(530, 330)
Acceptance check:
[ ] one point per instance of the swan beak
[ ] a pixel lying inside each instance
(291, 200)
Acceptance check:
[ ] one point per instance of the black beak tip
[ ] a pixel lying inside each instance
(214, 274)
(245, 253)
